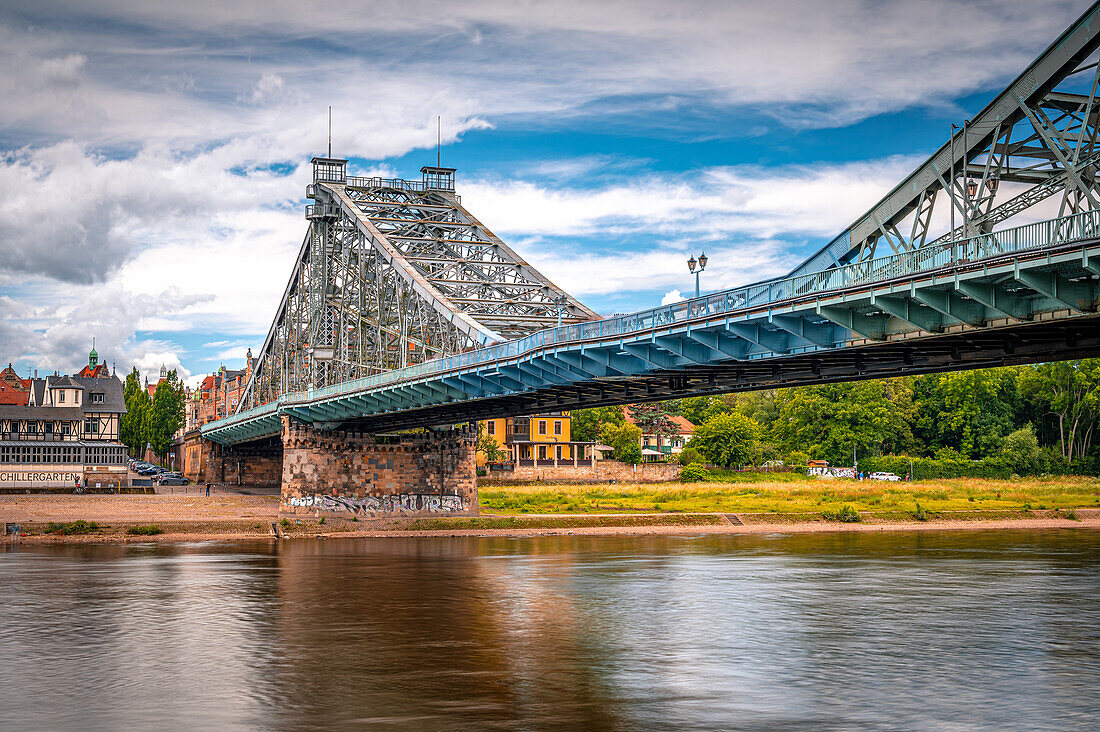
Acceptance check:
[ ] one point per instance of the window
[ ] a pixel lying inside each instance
(542, 451)
(60, 396)
(542, 427)
(91, 427)
(66, 428)
(32, 428)
(97, 398)
(557, 426)
(558, 448)
(49, 428)
(491, 427)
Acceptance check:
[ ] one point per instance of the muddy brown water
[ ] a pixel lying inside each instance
(934, 630)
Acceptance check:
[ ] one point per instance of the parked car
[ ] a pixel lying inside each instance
(892, 477)
(150, 470)
(172, 480)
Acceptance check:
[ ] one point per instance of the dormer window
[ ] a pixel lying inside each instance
(97, 398)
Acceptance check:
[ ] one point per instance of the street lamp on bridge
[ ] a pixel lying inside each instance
(702, 263)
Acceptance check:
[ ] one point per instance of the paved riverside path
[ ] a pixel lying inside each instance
(138, 508)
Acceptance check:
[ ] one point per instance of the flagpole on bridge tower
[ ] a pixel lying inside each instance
(330, 130)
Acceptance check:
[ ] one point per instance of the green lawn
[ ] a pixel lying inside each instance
(790, 493)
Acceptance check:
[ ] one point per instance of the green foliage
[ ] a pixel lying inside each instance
(698, 410)
(689, 455)
(73, 527)
(586, 424)
(150, 530)
(284, 522)
(846, 514)
(920, 514)
(829, 420)
(1021, 451)
(488, 446)
(728, 440)
(321, 522)
(136, 398)
(1069, 392)
(969, 411)
(693, 473)
(796, 459)
(623, 439)
(481, 472)
(165, 415)
(1070, 514)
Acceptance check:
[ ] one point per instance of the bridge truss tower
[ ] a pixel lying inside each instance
(392, 273)
(1034, 143)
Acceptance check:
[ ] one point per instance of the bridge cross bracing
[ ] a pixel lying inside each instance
(403, 310)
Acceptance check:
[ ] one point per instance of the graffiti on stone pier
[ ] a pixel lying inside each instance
(382, 504)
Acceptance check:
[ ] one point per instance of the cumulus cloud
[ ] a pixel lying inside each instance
(151, 178)
(671, 296)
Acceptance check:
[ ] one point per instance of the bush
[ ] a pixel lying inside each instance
(150, 530)
(693, 473)
(920, 514)
(481, 472)
(690, 455)
(847, 514)
(796, 459)
(1021, 451)
(74, 527)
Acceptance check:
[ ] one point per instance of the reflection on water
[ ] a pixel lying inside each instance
(845, 631)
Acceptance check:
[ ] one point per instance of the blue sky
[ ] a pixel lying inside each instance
(155, 155)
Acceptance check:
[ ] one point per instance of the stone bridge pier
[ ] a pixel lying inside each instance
(350, 473)
(254, 464)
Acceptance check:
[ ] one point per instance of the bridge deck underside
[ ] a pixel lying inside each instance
(1022, 307)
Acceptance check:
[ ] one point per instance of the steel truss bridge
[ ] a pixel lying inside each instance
(403, 310)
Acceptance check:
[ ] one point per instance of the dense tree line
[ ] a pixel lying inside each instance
(1022, 419)
(151, 421)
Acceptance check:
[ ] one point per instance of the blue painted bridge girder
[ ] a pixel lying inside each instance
(1016, 296)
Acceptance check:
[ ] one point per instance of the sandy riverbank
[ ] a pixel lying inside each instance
(234, 517)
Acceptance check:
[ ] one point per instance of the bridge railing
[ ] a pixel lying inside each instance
(1006, 241)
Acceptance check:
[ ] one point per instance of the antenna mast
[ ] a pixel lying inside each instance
(438, 138)
(330, 130)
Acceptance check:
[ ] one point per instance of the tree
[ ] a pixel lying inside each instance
(1022, 452)
(970, 411)
(1070, 391)
(487, 445)
(728, 439)
(165, 414)
(623, 439)
(131, 430)
(829, 420)
(699, 409)
(653, 419)
(586, 424)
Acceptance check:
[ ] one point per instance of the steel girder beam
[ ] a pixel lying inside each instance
(1031, 132)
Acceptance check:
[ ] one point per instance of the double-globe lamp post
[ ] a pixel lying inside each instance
(702, 264)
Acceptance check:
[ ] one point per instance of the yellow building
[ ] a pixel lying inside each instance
(542, 437)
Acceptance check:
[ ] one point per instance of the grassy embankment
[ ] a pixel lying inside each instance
(788, 493)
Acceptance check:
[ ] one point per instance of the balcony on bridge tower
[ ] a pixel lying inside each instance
(330, 170)
(438, 179)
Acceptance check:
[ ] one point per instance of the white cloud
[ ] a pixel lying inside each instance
(671, 296)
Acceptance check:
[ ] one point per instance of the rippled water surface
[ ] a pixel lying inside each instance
(968, 630)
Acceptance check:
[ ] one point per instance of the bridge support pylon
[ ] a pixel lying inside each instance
(344, 473)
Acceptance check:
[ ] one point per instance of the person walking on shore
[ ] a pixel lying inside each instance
(207, 489)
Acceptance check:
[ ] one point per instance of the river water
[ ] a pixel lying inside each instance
(935, 630)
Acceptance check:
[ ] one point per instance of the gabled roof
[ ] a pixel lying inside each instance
(62, 382)
(38, 390)
(99, 372)
(8, 395)
(680, 425)
(111, 389)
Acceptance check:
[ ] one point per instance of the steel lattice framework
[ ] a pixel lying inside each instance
(392, 273)
(1035, 140)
